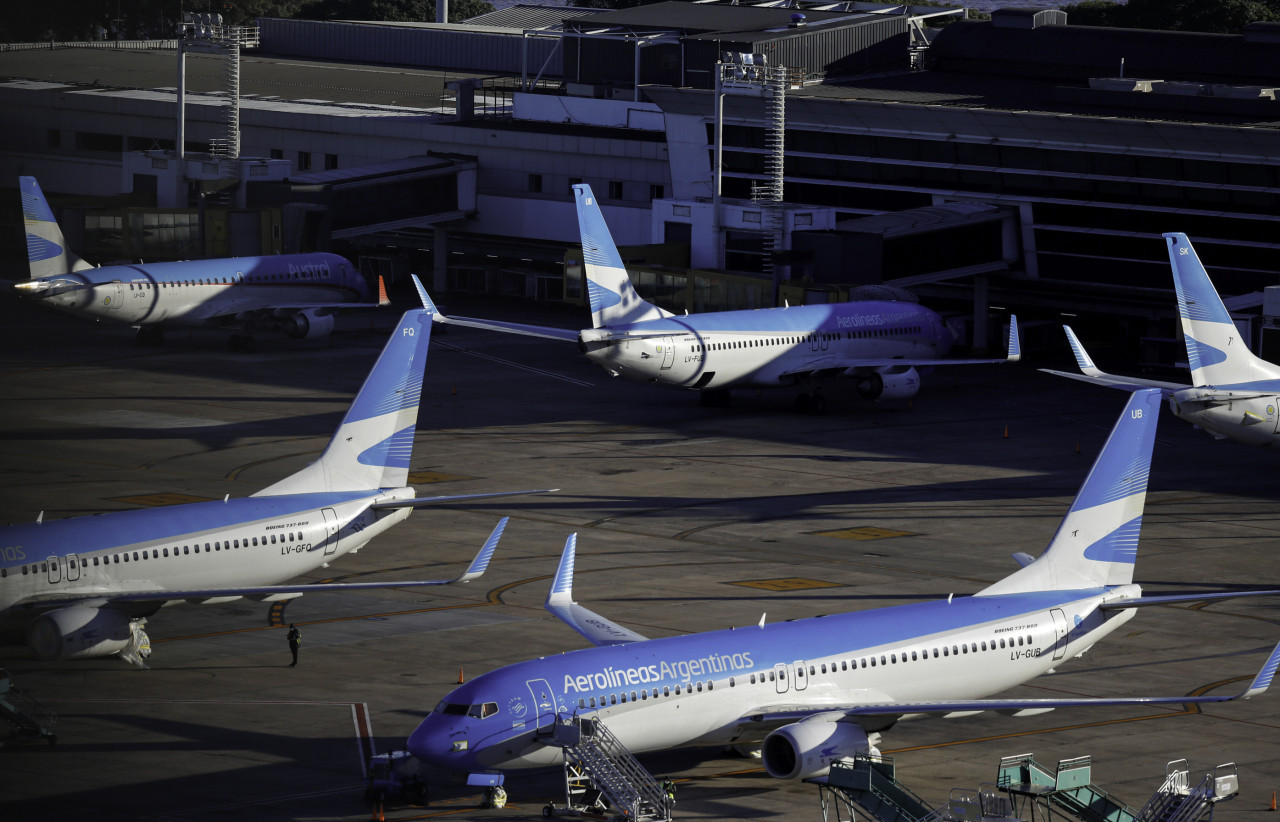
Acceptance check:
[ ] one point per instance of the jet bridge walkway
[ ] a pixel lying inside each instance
(602, 778)
(24, 713)
(1025, 791)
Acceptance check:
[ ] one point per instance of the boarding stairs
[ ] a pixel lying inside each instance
(24, 713)
(599, 768)
(867, 784)
(1178, 801)
(1036, 790)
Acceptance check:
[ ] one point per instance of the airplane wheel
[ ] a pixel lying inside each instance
(548, 812)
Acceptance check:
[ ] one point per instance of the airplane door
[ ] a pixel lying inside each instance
(544, 704)
(73, 568)
(668, 352)
(802, 679)
(54, 573)
(1060, 628)
(330, 530)
(780, 677)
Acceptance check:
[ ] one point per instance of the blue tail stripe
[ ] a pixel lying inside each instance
(395, 451)
(1200, 355)
(1121, 545)
(40, 249)
(601, 297)
(34, 206)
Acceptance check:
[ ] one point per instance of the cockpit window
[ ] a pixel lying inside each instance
(452, 709)
(479, 711)
(483, 710)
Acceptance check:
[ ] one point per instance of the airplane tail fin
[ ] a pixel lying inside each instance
(1216, 351)
(372, 447)
(1097, 543)
(613, 298)
(47, 252)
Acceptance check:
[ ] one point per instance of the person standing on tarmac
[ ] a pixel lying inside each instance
(295, 639)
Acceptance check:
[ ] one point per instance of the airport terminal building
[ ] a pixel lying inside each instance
(1019, 162)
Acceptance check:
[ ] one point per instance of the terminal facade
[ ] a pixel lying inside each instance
(1019, 162)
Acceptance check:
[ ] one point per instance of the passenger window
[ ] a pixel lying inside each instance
(613, 699)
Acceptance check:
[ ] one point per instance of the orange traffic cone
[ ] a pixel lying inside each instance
(1006, 430)
(1273, 800)
(460, 677)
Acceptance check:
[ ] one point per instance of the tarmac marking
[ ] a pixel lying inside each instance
(364, 735)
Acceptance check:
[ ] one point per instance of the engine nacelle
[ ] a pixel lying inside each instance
(308, 325)
(82, 632)
(896, 383)
(807, 748)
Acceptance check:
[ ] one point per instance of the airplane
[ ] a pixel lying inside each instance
(294, 293)
(880, 344)
(83, 587)
(813, 691)
(1234, 394)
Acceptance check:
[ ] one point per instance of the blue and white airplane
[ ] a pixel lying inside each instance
(294, 293)
(1235, 394)
(818, 690)
(83, 587)
(878, 343)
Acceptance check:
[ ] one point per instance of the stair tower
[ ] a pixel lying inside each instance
(600, 773)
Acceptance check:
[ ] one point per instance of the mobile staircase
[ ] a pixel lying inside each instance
(1036, 791)
(602, 778)
(867, 784)
(24, 713)
(1178, 801)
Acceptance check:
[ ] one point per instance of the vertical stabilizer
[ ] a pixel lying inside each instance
(1097, 543)
(373, 446)
(47, 252)
(614, 300)
(1216, 351)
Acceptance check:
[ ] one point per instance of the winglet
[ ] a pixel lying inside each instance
(427, 304)
(1083, 360)
(1015, 344)
(1268, 672)
(481, 563)
(591, 625)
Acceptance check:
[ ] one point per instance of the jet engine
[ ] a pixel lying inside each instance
(308, 325)
(81, 632)
(897, 383)
(807, 748)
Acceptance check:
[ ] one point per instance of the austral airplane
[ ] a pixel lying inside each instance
(878, 343)
(1234, 394)
(813, 691)
(294, 293)
(83, 587)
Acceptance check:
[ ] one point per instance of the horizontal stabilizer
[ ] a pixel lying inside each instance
(1092, 374)
(420, 502)
(490, 325)
(591, 625)
(1175, 599)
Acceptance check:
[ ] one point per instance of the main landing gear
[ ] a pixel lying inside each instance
(242, 343)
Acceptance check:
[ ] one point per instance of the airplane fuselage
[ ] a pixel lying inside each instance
(201, 292)
(1247, 417)
(208, 545)
(734, 686)
(766, 347)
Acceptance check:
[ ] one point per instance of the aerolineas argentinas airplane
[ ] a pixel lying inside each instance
(879, 344)
(84, 586)
(293, 293)
(1235, 394)
(819, 690)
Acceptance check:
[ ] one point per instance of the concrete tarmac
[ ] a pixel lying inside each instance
(688, 519)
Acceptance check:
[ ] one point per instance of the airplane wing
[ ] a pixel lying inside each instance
(830, 363)
(1019, 707)
(419, 502)
(1174, 599)
(546, 332)
(591, 625)
(271, 593)
(1092, 374)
